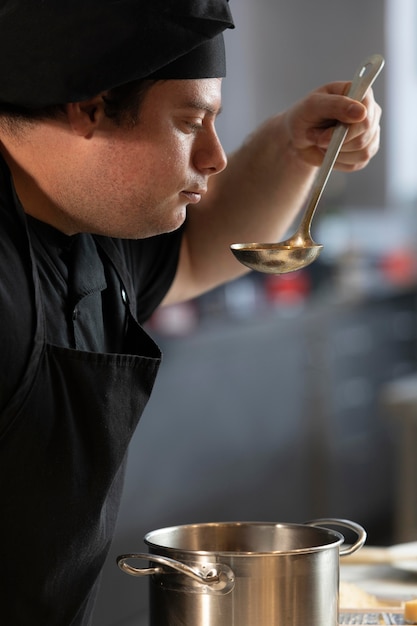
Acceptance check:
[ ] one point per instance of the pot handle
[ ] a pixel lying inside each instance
(218, 575)
(357, 528)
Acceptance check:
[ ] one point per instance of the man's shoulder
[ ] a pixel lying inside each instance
(16, 293)
(14, 248)
(12, 224)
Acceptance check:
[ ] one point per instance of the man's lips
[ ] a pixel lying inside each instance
(193, 196)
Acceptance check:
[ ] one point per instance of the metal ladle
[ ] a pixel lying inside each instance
(300, 250)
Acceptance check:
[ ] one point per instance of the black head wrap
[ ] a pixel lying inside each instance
(57, 51)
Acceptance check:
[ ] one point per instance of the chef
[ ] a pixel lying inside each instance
(116, 198)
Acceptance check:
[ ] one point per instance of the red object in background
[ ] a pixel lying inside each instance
(288, 289)
(399, 267)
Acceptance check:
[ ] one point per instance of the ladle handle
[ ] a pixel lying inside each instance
(362, 80)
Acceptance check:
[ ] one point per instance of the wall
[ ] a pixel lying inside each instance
(281, 49)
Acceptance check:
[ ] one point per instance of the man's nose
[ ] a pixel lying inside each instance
(209, 156)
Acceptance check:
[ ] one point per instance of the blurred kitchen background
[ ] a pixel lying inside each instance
(294, 397)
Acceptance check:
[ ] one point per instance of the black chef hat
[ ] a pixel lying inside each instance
(57, 51)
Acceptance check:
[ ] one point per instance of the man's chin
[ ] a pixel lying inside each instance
(178, 220)
(165, 227)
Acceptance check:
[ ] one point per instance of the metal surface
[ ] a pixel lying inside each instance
(219, 577)
(300, 250)
(245, 573)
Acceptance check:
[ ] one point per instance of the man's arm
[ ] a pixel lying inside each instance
(266, 182)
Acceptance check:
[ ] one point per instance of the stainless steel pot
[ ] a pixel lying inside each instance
(245, 573)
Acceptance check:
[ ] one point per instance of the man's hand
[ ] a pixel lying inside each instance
(310, 125)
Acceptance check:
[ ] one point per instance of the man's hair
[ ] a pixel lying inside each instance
(121, 104)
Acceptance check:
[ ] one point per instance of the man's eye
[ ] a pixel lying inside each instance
(194, 124)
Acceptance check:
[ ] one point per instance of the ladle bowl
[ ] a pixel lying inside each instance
(301, 250)
(276, 258)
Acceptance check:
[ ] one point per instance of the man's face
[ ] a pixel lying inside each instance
(137, 182)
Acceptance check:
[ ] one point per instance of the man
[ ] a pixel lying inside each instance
(110, 207)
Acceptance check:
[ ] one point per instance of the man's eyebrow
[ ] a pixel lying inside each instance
(201, 105)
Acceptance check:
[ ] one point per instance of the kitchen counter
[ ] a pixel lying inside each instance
(388, 587)
(387, 583)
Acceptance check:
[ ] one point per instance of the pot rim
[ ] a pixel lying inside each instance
(150, 539)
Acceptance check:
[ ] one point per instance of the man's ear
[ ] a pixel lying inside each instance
(84, 117)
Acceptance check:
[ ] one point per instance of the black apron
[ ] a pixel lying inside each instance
(64, 451)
